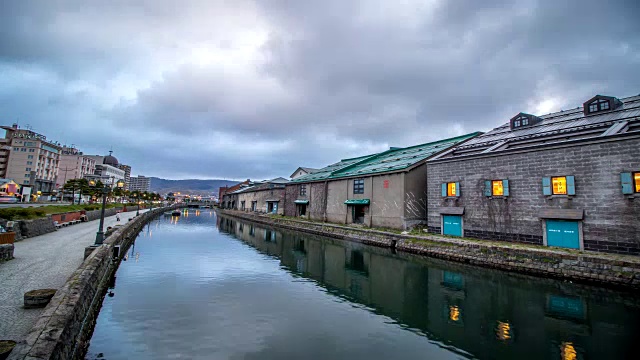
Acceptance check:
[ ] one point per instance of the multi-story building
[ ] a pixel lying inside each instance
(74, 165)
(265, 196)
(107, 170)
(567, 179)
(378, 190)
(127, 175)
(139, 183)
(32, 160)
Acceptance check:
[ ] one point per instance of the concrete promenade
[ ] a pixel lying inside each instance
(44, 261)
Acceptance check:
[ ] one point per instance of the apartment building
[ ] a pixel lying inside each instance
(31, 159)
(74, 165)
(127, 175)
(139, 183)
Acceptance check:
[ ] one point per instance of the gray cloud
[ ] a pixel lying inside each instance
(243, 89)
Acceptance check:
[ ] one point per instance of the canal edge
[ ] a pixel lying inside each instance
(66, 325)
(585, 267)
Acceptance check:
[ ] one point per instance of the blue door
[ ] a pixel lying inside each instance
(563, 233)
(452, 225)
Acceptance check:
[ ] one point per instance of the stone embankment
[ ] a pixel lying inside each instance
(610, 270)
(36, 227)
(64, 328)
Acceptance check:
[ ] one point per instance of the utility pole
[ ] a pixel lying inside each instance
(73, 200)
(65, 173)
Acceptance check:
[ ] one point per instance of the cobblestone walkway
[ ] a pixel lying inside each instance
(40, 262)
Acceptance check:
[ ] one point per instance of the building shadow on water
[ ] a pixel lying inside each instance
(476, 312)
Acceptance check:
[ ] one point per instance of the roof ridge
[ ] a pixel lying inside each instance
(394, 150)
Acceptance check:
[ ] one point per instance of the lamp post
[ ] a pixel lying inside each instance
(138, 202)
(104, 190)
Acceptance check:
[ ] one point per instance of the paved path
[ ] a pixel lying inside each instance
(44, 261)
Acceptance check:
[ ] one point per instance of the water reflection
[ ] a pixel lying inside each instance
(472, 309)
(208, 287)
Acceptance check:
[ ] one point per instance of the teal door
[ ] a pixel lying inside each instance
(562, 233)
(452, 225)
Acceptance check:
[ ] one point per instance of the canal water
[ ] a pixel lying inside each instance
(202, 286)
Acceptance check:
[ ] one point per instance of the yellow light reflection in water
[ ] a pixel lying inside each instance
(503, 331)
(567, 351)
(454, 313)
(197, 212)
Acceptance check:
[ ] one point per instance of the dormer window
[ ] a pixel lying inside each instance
(601, 103)
(523, 119)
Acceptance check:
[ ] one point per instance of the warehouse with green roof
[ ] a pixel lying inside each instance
(386, 189)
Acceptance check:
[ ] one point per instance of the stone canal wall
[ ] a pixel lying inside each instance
(609, 270)
(362, 235)
(65, 327)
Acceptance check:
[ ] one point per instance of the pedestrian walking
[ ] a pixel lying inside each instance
(117, 216)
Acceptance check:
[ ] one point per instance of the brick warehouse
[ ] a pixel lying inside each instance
(568, 179)
(379, 190)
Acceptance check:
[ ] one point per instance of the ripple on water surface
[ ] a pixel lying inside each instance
(206, 287)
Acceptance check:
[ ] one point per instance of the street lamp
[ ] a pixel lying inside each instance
(104, 190)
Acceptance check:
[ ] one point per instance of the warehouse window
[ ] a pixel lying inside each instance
(303, 190)
(358, 186)
(496, 188)
(451, 189)
(636, 179)
(559, 185)
(598, 105)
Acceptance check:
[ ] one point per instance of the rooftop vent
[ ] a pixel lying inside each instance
(599, 104)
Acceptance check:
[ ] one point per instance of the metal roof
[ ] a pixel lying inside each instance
(394, 159)
(552, 125)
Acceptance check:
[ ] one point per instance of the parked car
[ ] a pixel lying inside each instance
(8, 199)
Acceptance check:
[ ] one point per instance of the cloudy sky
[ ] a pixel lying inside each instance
(242, 89)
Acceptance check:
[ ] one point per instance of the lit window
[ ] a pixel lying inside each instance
(303, 190)
(358, 186)
(503, 331)
(497, 189)
(454, 313)
(636, 179)
(451, 189)
(559, 185)
(568, 351)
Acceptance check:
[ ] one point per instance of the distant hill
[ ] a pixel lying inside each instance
(189, 186)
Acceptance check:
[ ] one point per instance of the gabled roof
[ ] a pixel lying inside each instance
(555, 128)
(308, 170)
(5, 181)
(392, 160)
(263, 185)
(278, 180)
(325, 172)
